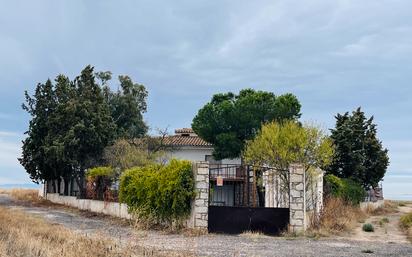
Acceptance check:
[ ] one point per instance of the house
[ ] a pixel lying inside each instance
(185, 144)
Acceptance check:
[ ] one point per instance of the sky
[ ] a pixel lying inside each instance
(333, 55)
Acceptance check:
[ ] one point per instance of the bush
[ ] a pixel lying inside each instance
(367, 227)
(406, 221)
(336, 216)
(406, 224)
(159, 194)
(99, 181)
(346, 189)
(104, 171)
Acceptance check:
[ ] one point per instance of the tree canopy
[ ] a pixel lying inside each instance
(73, 121)
(228, 120)
(359, 154)
(280, 144)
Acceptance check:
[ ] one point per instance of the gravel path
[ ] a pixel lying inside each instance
(212, 245)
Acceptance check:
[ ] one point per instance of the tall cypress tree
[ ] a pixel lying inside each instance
(34, 150)
(359, 154)
(92, 127)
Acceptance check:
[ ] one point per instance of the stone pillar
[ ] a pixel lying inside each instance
(297, 201)
(199, 215)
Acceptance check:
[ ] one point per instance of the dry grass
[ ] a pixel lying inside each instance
(388, 207)
(26, 195)
(405, 223)
(28, 236)
(337, 217)
(4, 191)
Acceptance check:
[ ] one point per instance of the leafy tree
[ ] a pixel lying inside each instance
(124, 155)
(127, 106)
(92, 127)
(74, 121)
(228, 120)
(359, 154)
(34, 157)
(279, 145)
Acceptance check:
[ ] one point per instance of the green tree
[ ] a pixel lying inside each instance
(92, 127)
(127, 106)
(280, 144)
(34, 150)
(228, 120)
(359, 154)
(72, 122)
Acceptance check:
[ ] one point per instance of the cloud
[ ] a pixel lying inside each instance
(10, 149)
(334, 55)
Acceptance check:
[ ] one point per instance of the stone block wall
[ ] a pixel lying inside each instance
(199, 215)
(297, 201)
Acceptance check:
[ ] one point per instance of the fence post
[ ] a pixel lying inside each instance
(199, 214)
(297, 201)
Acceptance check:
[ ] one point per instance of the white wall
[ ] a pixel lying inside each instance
(109, 208)
(196, 154)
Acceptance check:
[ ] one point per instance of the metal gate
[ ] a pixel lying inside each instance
(235, 220)
(237, 201)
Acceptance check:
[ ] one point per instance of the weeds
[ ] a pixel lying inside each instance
(24, 235)
(406, 224)
(387, 207)
(383, 221)
(336, 217)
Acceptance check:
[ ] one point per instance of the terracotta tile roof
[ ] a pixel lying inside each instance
(184, 130)
(185, 141)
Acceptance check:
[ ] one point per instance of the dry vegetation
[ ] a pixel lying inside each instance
(28, 236)
(388, 207)
(4, 191)
(26, 195)
(406, 224)
(337, 217)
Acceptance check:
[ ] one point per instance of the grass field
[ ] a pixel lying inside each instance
(29, 236)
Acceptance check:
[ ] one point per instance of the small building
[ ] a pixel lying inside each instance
(185, 144)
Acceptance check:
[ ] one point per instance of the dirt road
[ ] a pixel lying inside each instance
(214, 245)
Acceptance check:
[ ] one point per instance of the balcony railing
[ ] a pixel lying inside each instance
(227, 171)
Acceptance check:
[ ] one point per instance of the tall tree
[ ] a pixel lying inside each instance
(34, 156)
(92, 127)
(359, 154)
(127, 106)
(228, 120)
(73, 121)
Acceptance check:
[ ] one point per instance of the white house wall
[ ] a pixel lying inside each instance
(196, 154)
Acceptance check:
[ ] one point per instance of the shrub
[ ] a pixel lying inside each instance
(99, 181)
(406, 224)
(337, 216)
(159, 193)
(103, 171)
(346, 189)
(406, 221)
(367, 227)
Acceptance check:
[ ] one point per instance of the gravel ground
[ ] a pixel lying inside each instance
(212, 245)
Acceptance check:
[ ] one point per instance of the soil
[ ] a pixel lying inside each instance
(390, 243)
(385, 232)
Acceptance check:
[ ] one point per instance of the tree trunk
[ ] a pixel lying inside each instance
(80, 183)
(66, 186)
(58, 185)
(53, 183)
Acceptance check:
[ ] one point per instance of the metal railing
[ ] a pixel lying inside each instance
(227, 171)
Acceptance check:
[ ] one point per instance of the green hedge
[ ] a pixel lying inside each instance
(346, 189)
(103, 171)
(159, 193)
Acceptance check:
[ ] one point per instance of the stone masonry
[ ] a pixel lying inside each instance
(297, 205)
(199, 215)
